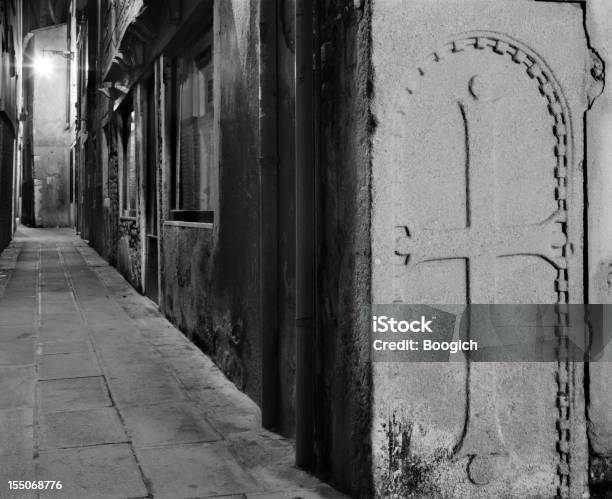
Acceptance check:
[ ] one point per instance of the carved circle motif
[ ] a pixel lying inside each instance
(482, 89)
(550, 90)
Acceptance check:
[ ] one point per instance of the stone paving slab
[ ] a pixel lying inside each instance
(269, 460)
(68, 365)
(20, 318)
(17, 352)
(8, 259)
(62, 326)
(63, 319)
(168, 423)
(19, 312)
(197, 470)
(59, 309)
(17, 387)
(78, 393)
(65, 346)
(102, 471)
(193, 380)
(74, 332)
(58, 297)
(321, 492)
(124, 354)
(16, 445)
(139, 390)
(13, 333)
(155, 371)
(59, 430)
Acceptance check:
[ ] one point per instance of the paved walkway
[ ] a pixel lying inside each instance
(100, 392)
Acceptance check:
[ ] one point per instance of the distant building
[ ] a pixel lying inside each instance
(48, 114)
(48, 127)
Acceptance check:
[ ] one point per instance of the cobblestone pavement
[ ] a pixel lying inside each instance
(100, 392)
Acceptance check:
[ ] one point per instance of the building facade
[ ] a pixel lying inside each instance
(49, 126)
(186, 182)
(47, 93)
(10, 74)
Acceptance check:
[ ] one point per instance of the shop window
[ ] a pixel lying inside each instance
(127, 165)
(196, 172)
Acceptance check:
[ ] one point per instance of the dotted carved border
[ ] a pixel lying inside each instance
(551, 91)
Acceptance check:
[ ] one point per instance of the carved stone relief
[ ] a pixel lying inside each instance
(477, 169)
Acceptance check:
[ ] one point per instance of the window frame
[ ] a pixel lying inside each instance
(126, 120)
(186, 46)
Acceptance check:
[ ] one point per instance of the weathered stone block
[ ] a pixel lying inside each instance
(17, 353)
(78, 393)
(81, 428)
(68, 365)
(478, 198)
(101, 471)
(198, 470)
(17, 387)
(16, 445)
(167, 423)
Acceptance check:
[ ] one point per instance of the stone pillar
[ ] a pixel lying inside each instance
(478, 197)
(599, 173)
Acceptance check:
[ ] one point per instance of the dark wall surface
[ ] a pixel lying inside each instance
(7, 144)
(286, 216)
(344, 383)
(211, 274)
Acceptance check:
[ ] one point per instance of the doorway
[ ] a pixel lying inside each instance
(151, 216)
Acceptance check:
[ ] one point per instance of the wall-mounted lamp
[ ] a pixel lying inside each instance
(43, 64)
(66, 54)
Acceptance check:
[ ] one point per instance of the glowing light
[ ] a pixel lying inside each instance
(43, 65)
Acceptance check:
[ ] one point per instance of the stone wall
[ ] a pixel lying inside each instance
(481, 108)
(598, 18)
(128, 250)
(111, 200)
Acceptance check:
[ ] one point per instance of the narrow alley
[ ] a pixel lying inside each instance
(99, 392)
(207, 207)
